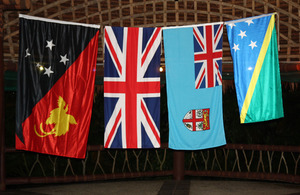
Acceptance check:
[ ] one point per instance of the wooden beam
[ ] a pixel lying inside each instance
(2, 131)
(15, 4)
(5, 5)
(178, 165)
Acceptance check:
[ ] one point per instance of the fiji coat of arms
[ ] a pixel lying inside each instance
(197, 120)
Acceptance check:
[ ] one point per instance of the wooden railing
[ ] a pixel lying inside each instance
(261, 162)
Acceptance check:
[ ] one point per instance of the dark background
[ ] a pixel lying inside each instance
(283, 131)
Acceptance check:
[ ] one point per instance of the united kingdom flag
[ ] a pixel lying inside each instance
(208, 55)
(132, 87)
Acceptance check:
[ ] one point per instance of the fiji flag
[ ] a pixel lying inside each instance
(193, 58)
(132, 87)
(56, 75)
(256, 68)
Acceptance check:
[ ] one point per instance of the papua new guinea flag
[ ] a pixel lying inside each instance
(253, 44)
(56, 74)
(193, 57)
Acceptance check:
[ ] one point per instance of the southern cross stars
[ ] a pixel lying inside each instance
(48, 71)
(27, 53)
(50, 44)
(38, 65)
(64, 59)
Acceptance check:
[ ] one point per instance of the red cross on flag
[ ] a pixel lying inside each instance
(208, 55)
(132, 87)
(197, 120)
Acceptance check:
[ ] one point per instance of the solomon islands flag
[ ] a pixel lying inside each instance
(132, 87)
(195, 113)
(56, 74)
(256, 68)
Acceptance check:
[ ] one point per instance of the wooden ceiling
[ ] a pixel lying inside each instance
(159, 13)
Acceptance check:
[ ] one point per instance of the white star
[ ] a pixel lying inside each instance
(40, 67)
(242, 34)
(48, 71)
(249, 22)
(236, 47)
(231, 25)
(253, 44)
(50, 44)
(64, 59)
(27, 53)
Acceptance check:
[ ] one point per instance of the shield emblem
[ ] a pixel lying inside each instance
(197, 120)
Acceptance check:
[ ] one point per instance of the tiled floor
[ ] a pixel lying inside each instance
(160, 187)
(175, 187)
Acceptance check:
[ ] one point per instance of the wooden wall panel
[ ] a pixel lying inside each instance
(147, 13)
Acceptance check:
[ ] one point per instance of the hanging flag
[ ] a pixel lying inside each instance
(56, 74)
(193, 57)
(256, 68)
(132, 87)
(208, 56)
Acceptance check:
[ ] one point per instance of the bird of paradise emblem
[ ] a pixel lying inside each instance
(60, 118)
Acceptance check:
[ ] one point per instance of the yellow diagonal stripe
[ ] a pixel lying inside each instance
(257, 69)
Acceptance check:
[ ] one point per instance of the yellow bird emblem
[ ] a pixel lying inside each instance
(60, 118)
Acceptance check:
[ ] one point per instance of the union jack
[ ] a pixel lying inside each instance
(132, 87)
(208, 55)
